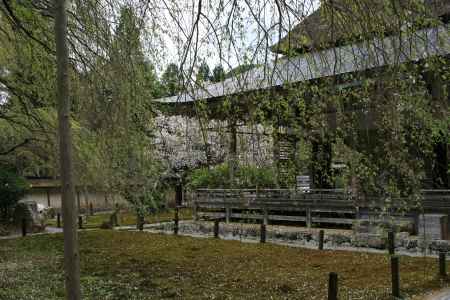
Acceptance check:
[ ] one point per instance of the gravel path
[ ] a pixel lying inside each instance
(155, 228)
(438, 295)
(48, 230)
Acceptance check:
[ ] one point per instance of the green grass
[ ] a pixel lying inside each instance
(139, 265)
(126, 218)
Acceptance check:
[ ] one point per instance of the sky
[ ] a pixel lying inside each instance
(229, 32)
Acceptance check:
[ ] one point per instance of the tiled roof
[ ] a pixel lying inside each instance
(329, 62)
(338, 22)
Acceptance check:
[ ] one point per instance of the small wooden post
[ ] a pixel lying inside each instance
(333, 286)
(308, 217)
(263, 233)
(91, 209)
(175, 222)
(216, 228)
(265, 216)
(442, 265)
(24, 227)
(321, 237)
(58, 220)
(195, 211)
(140, 223)
(395, 273)
(80, 222)
(391, 242)
(227, 214)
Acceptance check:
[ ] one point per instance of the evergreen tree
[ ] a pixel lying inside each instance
(171, 80)
(218, 74)
(203, 73)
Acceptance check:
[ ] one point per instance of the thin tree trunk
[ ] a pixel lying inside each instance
(71, 254)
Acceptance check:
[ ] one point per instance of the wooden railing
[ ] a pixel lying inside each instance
(313, 206)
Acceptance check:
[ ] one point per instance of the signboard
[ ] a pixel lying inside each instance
(303, 183)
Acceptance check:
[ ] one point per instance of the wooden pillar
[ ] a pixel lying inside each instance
(48, 197)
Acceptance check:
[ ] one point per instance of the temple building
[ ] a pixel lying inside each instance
(324, 51)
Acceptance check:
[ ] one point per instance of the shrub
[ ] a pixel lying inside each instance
(12, 188)
(245, 177)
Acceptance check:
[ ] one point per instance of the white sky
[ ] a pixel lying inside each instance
(254, 27)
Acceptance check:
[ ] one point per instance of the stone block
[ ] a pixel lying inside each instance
(439, 246)
(338, 239)
(368, 240)
(401, 239)
(382, 226)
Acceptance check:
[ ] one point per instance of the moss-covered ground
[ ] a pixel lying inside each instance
(140, 265)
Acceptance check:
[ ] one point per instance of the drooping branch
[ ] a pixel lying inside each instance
(9, 13)
(13, 148)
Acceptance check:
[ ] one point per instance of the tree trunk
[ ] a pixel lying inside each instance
(71, 254)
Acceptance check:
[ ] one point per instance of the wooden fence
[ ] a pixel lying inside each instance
(316, 206)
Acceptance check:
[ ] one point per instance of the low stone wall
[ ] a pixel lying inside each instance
(308, 237)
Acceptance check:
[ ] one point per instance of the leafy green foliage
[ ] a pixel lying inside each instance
(245, 177)
(111, 114)
(12, 188)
